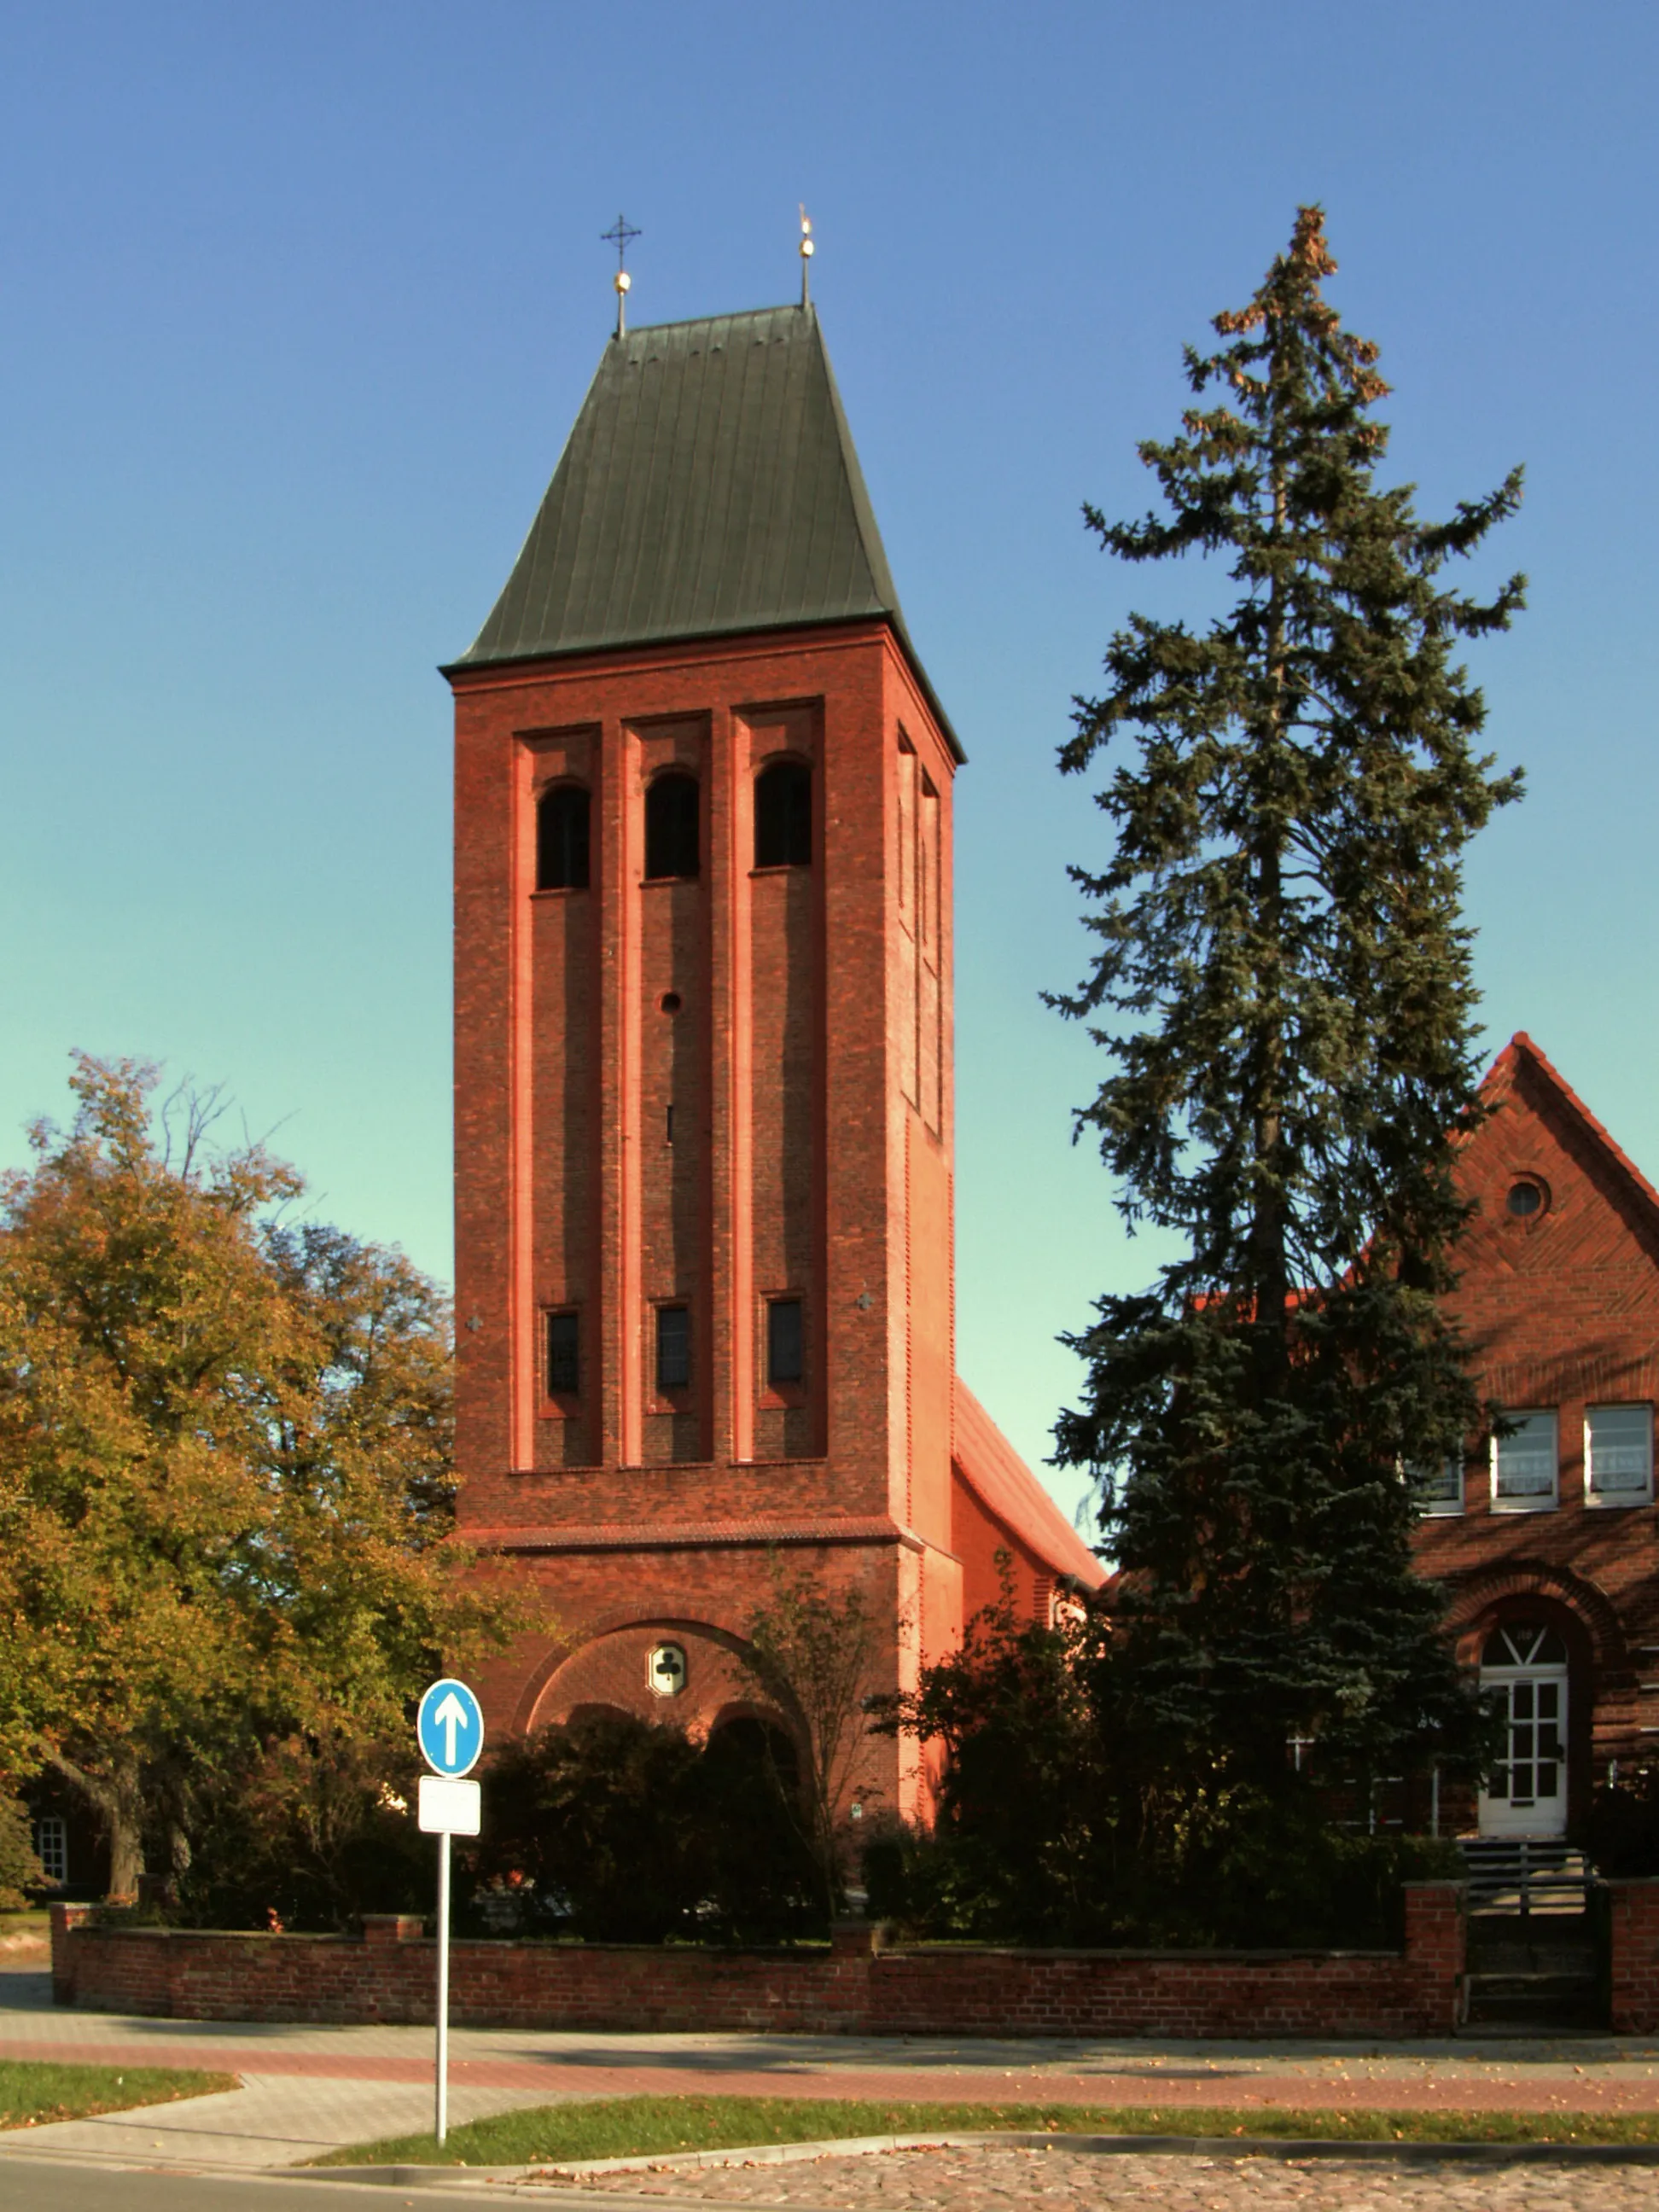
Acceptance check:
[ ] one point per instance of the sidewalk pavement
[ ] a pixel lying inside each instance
(307, 2089)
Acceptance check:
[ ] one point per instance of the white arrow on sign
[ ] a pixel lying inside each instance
(450, 1715)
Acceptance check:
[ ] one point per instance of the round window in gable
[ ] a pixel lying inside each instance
(1528, 1199)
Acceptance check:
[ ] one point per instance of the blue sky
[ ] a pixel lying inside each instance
(297, 301)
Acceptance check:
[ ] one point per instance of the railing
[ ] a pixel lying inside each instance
(1522, 1877)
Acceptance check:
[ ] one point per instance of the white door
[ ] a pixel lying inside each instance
(1524, 1668)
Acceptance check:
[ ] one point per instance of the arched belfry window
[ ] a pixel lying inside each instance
(783, 816)
(561, 838)
(671, 827)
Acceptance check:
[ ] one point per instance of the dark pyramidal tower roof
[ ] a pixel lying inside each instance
(709, 487)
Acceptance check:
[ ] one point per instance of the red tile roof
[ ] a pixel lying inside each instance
(985, 1460)
(696, 1535)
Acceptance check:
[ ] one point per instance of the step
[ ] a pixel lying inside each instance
(1576, 1961)
(1559, 2000)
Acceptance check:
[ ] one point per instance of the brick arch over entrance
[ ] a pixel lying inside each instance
(611, 1667)
(671, 1612)
(1485, 1595)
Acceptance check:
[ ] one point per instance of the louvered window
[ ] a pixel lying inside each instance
(672, 831)
(562, 816)
(783, 816)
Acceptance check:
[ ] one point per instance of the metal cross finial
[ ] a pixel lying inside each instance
(618, 236)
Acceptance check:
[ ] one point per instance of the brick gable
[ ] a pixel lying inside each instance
(1561, 1308)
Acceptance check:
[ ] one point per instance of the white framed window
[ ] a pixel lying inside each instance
(1617, 1455)
(1440, 1489)
(52, 1847)
(1524, 1463)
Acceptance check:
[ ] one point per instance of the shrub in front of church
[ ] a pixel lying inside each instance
(308, 1836)
(1067, 1817)
(615, 1830)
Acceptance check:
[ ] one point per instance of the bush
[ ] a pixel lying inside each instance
(1623, 1836)
(315, 1834)
(20, 1870)
(1070, 1814)
(1276, 1886)
(622, 1831)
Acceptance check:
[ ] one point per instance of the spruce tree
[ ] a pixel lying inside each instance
(1283, 981)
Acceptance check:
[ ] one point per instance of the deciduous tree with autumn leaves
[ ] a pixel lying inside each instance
(225, 1495)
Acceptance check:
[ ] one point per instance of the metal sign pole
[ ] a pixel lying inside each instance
(443, 1988)
(449, 1728)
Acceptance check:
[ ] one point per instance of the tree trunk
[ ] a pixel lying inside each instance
(1269, 1272)
(117, 1801)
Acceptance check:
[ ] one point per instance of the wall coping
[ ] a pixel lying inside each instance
(150, 1933)
(818, 1952)
(947, 1950)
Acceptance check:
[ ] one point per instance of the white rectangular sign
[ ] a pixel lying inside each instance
(447, 1807)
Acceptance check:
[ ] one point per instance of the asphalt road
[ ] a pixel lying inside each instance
(29, 2185)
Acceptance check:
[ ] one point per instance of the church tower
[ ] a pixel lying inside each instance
(703, 1057)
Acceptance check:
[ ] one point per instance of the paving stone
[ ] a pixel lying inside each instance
(993, 2181)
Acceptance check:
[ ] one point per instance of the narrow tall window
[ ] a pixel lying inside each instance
(1524, 1463)
(562, 839)
(671, 826)
(1618, 1455)
(52, 1847)
(673, 1347)
(564, 1374)
(785, 1350)
(783, 816)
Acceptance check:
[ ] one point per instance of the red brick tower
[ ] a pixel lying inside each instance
(703, 1053)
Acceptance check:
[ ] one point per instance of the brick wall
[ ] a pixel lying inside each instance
(855, 1986)
(1633, 1960)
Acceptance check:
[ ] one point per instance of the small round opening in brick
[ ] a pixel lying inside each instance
(1528, 1199)
(670, 1002)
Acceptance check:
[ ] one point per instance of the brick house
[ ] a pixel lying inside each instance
(704, 1074)
(1546, 1537)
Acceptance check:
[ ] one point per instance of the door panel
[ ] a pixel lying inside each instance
(1525, 1795)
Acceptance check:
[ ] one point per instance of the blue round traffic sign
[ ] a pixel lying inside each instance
(450, 1727)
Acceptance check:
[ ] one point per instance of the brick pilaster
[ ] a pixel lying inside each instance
(1633, 1961)
(392, 1927)
(64, 1917)
(1436, 1946)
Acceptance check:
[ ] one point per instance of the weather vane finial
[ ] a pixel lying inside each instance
(619, 236)
(806, 252)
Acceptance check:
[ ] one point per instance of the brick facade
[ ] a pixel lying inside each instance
(1560, 1305)
(857, 1986)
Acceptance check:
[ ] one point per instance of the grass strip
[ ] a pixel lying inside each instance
(33, 2094)
(638, 2127)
